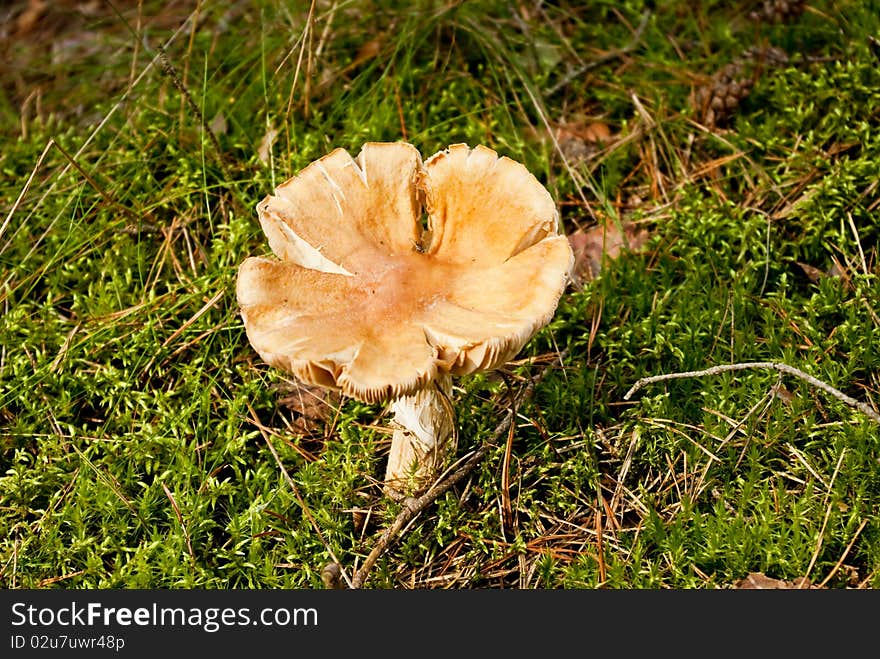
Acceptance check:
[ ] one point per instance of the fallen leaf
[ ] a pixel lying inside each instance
(311, 405)
(585, 130)
(784, 395)
(266, 145)
(579, 137)
(602, 241)
(218, 124)
(760, 581)
(367, 51)
(813, 273)
(596, 132)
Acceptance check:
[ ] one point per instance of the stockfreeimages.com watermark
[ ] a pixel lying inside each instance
(94, 615)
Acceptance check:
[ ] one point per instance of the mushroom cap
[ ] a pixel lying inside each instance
(363, 298)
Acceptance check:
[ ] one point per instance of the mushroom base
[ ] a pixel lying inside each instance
(424, 436)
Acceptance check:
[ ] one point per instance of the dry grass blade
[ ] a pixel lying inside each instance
(169, 69)
(125, 210)
(111, 483)
(843, 556)
(600, 545)
(26, 186)
(183, 528)
(828, 510)
(506, 507)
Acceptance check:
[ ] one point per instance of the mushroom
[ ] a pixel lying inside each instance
(368, 297)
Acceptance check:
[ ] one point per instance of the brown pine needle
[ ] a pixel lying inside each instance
(506, 507)
(843, 556)
(183, 528)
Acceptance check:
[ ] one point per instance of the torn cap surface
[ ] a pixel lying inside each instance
(360, 300)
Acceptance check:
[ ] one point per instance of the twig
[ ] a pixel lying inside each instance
(604, 59)
(413, 506)
(776, 366)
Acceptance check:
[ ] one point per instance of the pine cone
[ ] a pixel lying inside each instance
(716, 100)
(779, 11)
(767, 55)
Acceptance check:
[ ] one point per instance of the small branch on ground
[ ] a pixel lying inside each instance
(776, 366)
(413, 506)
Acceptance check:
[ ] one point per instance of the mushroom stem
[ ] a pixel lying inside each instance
(424, 435)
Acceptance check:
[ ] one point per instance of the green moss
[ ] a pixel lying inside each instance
(134, 415)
